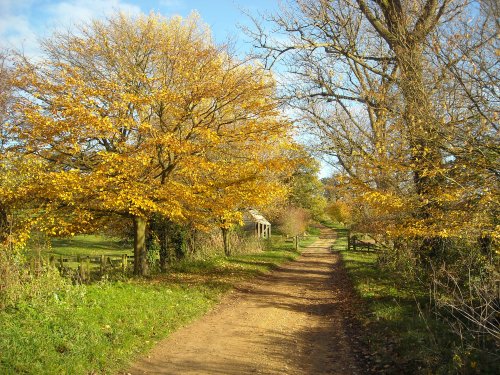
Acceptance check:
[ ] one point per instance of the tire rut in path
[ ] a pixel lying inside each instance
(292, 321)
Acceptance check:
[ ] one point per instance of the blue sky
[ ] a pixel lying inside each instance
(22, 22)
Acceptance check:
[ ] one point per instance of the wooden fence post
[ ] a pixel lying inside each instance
(102, 265)
(87, 264)
(124, 262)
(348, 239)
(353, 243)
(81, 271)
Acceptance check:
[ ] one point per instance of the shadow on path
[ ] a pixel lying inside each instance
(293, 321)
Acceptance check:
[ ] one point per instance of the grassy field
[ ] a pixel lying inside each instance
(76, 249)
(100, 328)
(401, 332)
(91, 245)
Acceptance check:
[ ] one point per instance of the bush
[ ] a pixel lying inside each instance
(293, 221)
(340, 212)
(22, 280)
(465, 291)
(203, 245)
(243, 243)
(461, 281)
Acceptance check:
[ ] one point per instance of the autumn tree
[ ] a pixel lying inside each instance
(305, 188)
(134, 113)
(390, 87)
(403, 96)
(17, 173)
(4, 104)
(257, 185)
(293, 221)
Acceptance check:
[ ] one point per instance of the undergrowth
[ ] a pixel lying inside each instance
(403, 334)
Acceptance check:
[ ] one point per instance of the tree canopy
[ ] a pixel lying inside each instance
(146, 115)
(402, 96)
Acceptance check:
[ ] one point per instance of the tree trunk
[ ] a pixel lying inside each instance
(4, 225)
(421, 123)
(422, 128)
(225, 240)
(150, 234)
(179, 241)
(192, 238)
(140, 260)
(172, 240)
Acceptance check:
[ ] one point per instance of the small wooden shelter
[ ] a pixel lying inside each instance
(254, 221)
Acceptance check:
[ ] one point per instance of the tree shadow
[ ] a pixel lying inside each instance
(314, 288)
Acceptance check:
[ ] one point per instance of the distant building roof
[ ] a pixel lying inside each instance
(255, 216)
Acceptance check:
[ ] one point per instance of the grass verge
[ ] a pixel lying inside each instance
(401, 333)
(100, 328)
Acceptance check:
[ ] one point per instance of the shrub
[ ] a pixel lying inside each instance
(22, 280)
(293, 221)
(340, 212)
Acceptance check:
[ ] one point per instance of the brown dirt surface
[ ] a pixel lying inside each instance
(295, 320)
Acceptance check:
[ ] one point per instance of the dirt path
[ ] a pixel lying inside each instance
(292, 321)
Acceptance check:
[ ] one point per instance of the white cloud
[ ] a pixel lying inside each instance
(67, 13)
(23, 22)
(9, 6)
(16, 30)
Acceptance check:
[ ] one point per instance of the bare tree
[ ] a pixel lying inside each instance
(379, 80)
(404, 94)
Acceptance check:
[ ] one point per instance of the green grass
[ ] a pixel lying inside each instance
(91, 245)
(313, 231)
(306, 241)
(100, 328)
(400, 331)
(96, 328)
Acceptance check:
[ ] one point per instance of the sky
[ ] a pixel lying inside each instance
(23, 22)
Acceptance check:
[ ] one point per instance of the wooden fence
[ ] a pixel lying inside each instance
(85, 267)
(354, 243)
